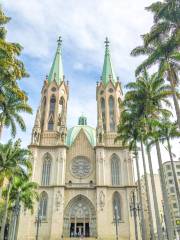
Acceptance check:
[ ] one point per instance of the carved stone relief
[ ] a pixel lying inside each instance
(101, 200)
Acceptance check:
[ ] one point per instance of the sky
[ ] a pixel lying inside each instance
(83, 26)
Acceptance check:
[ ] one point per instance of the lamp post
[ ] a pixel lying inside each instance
(38, 221)
(117, 218)
(134, 208)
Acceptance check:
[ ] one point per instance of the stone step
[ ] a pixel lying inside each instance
(79, 238)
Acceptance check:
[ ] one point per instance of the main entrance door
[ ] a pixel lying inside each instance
(79, 229)
(80, 218)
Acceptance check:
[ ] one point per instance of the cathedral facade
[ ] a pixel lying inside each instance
(85, 178)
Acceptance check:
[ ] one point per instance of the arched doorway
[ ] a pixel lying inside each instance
(79, 218)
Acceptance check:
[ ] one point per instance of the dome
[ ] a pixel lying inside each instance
(82, 124)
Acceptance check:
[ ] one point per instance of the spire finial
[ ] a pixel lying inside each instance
(106, 42)
(59, 41)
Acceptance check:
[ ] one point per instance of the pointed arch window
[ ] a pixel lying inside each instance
(43, 112)
(111, 114)
(46, 170)
(117, 206)
(115, 170)
(51, 113)
(52, 104)
(51, 123)
(103, 112)
(43, 204)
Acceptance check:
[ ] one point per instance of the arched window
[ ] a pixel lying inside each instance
(111, 113)
(51, 123)
(115, 170)
(43, 205)
(103, 110)
(51, 113)
(46, 170)
(117, 206)
(43, 112)
(52, 104)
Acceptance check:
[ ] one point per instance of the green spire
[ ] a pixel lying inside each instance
(108, 72)
(56, 72)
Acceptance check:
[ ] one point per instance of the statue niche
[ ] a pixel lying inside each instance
(62, 119)
(37, 129)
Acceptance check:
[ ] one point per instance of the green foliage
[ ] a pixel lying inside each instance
(24, 191)
(14, 161)
(12, 69)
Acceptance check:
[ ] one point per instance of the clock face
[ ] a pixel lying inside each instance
(80, 166)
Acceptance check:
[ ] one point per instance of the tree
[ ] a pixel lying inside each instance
(10, 112)
(129, 135)
(12, 69)
(167, 131)
(149, 93)
(162, 43)
(23, 194)
(14, 161)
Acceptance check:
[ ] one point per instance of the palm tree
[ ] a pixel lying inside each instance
(128, 134)
(23, 193)
(166, 19)
(166, 132)
(165, 54)
(149, 93)
(14, 161)
(10, 108)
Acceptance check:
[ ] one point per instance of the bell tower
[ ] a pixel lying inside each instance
(109, 97)
(50, 124)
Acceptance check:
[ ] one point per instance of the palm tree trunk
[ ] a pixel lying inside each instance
(5, 210)
(156, 208)
(174, 174)
(143, 226)
(167, 212)
(147, 194)
(175, 100)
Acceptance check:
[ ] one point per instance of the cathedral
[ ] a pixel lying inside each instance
(85, 178)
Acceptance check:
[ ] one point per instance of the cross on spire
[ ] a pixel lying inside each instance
(107, 42)
(59, 41)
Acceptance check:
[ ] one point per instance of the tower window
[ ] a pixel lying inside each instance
(43, 112)
(46, 170)
(115, 170)
(53, 89)
(103, 111)
(43, 205)
(117, 206)
(52, 104)
(50, 124)
(111, 113)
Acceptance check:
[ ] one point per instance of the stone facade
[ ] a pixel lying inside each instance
(85, 178)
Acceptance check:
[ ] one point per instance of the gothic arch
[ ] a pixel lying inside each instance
(103, 112)
(52, 107)
(115, 170)
(117, 206)
(79, 218)
(43, 205)
(46, 169)
(43, 112)
(111, 113)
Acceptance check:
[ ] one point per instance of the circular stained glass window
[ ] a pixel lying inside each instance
(81, 166)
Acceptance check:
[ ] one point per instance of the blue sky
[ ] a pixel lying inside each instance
(83, 25)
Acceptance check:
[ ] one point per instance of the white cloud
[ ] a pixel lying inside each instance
(36, 24)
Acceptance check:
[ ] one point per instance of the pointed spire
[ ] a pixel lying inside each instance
(108, 72)
(56, 72)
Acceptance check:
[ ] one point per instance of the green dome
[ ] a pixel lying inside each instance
(89, 131)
